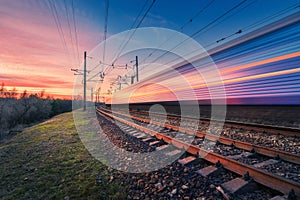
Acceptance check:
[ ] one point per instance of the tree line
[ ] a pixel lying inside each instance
(18, 109)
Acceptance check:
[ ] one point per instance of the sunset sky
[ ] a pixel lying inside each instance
(42, 40)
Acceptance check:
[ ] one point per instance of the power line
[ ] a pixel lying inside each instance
(196, 15)
(259, 22)
(69, 27)
(57, 23)
(104, 43)
(208, 25)
(138, 16)
(237, 32)
(105, 29)
(112, 66)
(203, 28)
(132, 25)
(75, 29)
(282, 12)
(215, 20)
(109, 68)
(181, 28)
(295, 6)
(132, 33)
(145, 14)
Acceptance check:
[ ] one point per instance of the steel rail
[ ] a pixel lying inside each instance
(288, 131)
(265, 178)
(290, 157)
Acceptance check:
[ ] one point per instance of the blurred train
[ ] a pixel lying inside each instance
(259, 68)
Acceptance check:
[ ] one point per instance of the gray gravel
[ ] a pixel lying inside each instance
(252, 160)
(277, 141)
(226, 150)
(173, 181)
(285, 169)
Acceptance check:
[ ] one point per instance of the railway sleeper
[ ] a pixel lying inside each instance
(231, 187)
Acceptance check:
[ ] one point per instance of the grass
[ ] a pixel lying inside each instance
(48, 161)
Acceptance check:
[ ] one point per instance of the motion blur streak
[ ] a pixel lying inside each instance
(270, 60)
(259, 65)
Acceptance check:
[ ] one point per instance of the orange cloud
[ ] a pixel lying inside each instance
(32, 55)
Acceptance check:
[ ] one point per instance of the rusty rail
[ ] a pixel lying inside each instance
(293, 158)
(288, 131)
(265, 178)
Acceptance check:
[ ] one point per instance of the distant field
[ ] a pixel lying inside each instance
(287, 116)
(48, 161)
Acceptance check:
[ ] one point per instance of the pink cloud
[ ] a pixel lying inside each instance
(32, 53)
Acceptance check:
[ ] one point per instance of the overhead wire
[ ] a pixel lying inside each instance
(295, 6)
(181, 28)
(153, 1)
(58, 24)
(75, 30)
(132, 33)
(70, 30)
(110, 67)
(105, 30)
(123, 45)
(248, 27)
(208, 29)
(257, 23)
(244, 29)
(203, 28)
(197, 14)
(239, 31)
(132, 25)
(104, 43)
(138, 16)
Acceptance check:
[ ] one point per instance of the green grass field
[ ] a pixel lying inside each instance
(48, 161)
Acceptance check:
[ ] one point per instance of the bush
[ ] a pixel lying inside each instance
(27, 108)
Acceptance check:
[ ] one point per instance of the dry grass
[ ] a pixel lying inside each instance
(48, 161)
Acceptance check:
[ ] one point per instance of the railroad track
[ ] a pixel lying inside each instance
(270, 152)
(287, 131)
(239, 162)
(285, 139)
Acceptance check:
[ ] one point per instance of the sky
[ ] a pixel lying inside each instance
(42, 40)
